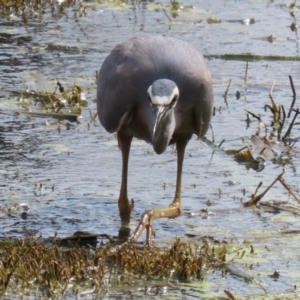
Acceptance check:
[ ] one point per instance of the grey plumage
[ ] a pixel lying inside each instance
(156, 89)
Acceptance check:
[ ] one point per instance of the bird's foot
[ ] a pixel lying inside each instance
(150, 232)
(146, 222)
(149, 216)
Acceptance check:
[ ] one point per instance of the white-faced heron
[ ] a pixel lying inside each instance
(159, 90)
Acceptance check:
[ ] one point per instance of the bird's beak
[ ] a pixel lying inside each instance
(161, 129)
(158, 114)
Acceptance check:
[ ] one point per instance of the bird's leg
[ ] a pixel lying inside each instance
(125, 207)
(173, 211)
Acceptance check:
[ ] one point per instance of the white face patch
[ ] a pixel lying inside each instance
(163, 100)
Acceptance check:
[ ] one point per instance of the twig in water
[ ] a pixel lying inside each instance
(259, 185)
(170, 20)
(254, 115)
(275, 110)
(229, 295)
(93, 117)
(271, 93)
(255, 199)
(221, 143)
(281, 122)
(294, 95)
(282, 181)
(246, 72)
(263, 287)
(226, 92)
(292, 146)
(288, 132)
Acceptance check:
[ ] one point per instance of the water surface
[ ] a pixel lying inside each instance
(70, 175)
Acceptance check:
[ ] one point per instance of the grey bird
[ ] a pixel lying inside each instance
(159, 90)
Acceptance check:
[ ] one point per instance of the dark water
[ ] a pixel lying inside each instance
(70, 176)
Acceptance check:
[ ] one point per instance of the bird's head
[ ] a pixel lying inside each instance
(163, 95)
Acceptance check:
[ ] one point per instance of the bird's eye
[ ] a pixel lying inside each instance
(174, 100)
(149, 98)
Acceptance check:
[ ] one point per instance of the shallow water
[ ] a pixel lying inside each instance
(70, 176)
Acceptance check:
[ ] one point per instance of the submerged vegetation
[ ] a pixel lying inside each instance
(60, 104)
(30, 264)
(274, 145)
